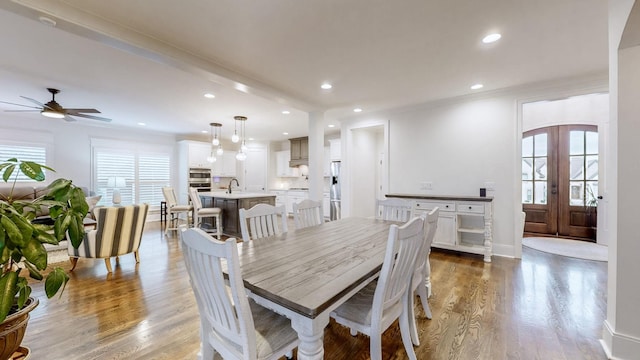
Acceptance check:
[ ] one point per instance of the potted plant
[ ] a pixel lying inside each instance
(22, 242)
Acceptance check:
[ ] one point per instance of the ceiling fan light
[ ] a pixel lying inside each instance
(52, 114)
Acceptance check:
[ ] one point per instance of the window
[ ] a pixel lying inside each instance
(138, 171)
(534, 169)
(35, 153)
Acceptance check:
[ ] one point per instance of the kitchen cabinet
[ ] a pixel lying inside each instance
(299, 151)
(282, 165)
(295, 196)
(464, 223)
(281, 197)
(225, 165)
(198, 154)
(335, 149)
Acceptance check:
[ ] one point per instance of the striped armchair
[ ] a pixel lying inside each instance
(118, 231)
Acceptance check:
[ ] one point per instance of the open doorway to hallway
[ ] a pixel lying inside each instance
(560, 165)
(367, 169)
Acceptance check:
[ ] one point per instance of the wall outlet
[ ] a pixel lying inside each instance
(426, 185)
(490, 185)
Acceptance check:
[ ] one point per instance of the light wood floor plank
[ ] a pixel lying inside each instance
(540, 307)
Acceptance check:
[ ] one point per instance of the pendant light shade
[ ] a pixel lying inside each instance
(215, 142)
(242, 153)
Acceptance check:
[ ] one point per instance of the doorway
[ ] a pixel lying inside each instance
(560, 181)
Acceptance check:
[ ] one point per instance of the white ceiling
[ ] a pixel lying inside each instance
(151, 61)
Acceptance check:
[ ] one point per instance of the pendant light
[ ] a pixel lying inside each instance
(215, 142)
(241, 155)
(235, 138)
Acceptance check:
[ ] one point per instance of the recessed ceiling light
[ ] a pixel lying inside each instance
(326, 86)
(209, 96)
(204, 131)
(331, 125)
(477, 86)
(491, 38)
(141, 124)
(251, 139)
(286, 112)
(285, 133)
(357, 110)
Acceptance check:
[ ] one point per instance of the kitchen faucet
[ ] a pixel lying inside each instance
(231, 181)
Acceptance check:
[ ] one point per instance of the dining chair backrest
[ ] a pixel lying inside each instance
(430, 226)
(403, 245)
(262, 221)
(393, 209)
(195, 199)
(225, 313)
(307, 213)
(169, 197)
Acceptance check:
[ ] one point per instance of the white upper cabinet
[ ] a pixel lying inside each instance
(335, 149)
(282, 165)
(198, 154)
(225, 165)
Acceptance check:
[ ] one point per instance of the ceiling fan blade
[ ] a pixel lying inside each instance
(34, 101)
(92, 117)
(33, 107)
(22, 110)
(76, 111)
(69, 118)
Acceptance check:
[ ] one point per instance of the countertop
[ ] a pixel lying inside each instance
(442, 197)
(234, 195)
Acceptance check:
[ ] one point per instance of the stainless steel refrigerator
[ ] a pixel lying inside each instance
(334, 191)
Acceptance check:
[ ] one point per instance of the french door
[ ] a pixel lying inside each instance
(560, 180)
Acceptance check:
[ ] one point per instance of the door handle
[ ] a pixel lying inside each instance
(600, 197)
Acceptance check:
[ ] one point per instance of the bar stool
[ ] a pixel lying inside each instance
(200, 212)
(175, 210)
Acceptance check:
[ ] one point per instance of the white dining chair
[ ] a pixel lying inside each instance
(421, 280)
(231, 324)
(174, 210)
(393, 209)
(374, 308)
(200, 212)
(262, 221)
(307, 213)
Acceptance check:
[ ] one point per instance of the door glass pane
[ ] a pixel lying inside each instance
(592, 167)
(592, 193)
(540, 193)
(527, 146)
(527, 192)
(576, 168)
(576, 142)
(527, 169)
(576, 193)
(540, 144)
(540, 171)
(592, 142)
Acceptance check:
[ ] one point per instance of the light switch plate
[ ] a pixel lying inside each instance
(426, 185)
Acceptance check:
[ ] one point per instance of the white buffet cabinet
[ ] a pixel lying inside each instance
(465, 222)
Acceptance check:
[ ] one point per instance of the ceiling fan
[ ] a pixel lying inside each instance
(54, 110)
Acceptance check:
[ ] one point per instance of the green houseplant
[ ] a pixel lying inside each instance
(22, 240)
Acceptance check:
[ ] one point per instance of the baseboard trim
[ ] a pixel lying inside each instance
(619, 346)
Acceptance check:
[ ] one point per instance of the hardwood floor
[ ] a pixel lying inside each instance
(541, 307)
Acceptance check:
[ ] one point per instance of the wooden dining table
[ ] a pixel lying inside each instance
(307, 273)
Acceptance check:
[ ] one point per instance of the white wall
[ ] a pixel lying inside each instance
(589, 109)
(71, 142)
(460, 144)
(621, 330)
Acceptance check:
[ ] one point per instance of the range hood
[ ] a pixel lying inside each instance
(299, 153)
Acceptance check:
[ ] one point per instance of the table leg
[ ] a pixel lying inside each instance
(310, 332)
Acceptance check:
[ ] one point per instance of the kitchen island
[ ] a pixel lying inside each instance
(230, 204)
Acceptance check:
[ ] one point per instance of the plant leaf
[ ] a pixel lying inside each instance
(33, 272)
(15, 236)
(55, 280)
(32, 170)
(79, 202)
(35, 253)
(7, 172)
(8, 290)
(25, 290)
